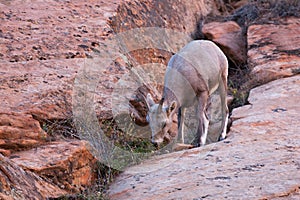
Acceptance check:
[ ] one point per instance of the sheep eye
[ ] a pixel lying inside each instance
(164, 125)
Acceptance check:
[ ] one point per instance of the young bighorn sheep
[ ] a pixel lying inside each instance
(192, 75)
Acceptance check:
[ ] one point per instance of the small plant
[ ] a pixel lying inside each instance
(239, 98)
(59, 128)
(125, 138)
(238, 76)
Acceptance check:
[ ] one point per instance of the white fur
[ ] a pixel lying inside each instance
(205, 131)
(223, 135)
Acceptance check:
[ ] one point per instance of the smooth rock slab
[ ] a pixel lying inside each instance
(260, 159)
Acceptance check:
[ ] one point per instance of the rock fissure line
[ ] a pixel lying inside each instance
(289, 193)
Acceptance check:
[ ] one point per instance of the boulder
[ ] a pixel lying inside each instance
(258, 160)
(68, 164)
(49, 171)
(19, 131)
(273, 50)
(229, 36)
(17, 183)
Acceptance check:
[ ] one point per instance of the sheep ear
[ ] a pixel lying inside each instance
(149, 100)
(160, 105)
(172, 108)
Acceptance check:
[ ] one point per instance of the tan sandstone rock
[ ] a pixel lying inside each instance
(258, 160)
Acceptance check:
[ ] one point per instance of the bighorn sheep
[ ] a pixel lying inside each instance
(192, 75)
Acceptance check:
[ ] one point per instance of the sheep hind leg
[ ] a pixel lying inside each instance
(203, 120)
(205, 130)
(224, 107)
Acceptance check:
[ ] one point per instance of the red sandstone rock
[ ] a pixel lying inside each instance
(43, 46)
(176, 14)
(273, 50)
(68, 164)
(5, 152)
(229, 36)
(17, 183)
(53, 29)
(42, 89)
(20, 131)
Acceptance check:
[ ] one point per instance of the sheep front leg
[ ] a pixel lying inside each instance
(181, 116)
(203, 120)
